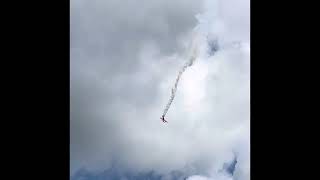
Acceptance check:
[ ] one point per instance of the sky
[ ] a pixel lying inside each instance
(124, 58)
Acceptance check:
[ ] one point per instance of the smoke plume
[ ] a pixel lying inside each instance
(194, 54)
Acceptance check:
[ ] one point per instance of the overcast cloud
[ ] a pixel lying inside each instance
(125, 56)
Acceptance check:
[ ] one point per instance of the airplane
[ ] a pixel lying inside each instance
(163, 120)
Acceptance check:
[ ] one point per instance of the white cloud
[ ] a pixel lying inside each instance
(217, 177)
(118, 92)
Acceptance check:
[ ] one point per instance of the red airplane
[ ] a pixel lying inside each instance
(163, 120)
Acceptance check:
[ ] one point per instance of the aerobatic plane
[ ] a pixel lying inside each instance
(163, 120)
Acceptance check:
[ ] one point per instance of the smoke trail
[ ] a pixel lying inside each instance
(211, 45)
(202, 29)
(193, 57)
(203, 37)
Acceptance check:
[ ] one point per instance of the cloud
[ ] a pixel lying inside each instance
(125, 56)
(182, 174)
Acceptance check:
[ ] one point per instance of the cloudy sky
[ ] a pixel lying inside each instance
(125, 56)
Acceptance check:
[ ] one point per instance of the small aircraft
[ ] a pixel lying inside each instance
(163, 120)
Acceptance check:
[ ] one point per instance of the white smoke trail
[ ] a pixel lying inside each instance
(201, 30)
(203, 34)
(190, 62)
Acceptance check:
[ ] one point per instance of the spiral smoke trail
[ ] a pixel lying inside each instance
(188, 64)
(212, 46)
(201, 29)
(204, 37)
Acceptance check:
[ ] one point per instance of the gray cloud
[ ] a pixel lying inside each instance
(124, 58)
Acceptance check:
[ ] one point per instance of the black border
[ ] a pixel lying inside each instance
(39, 89)
(38, 34)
